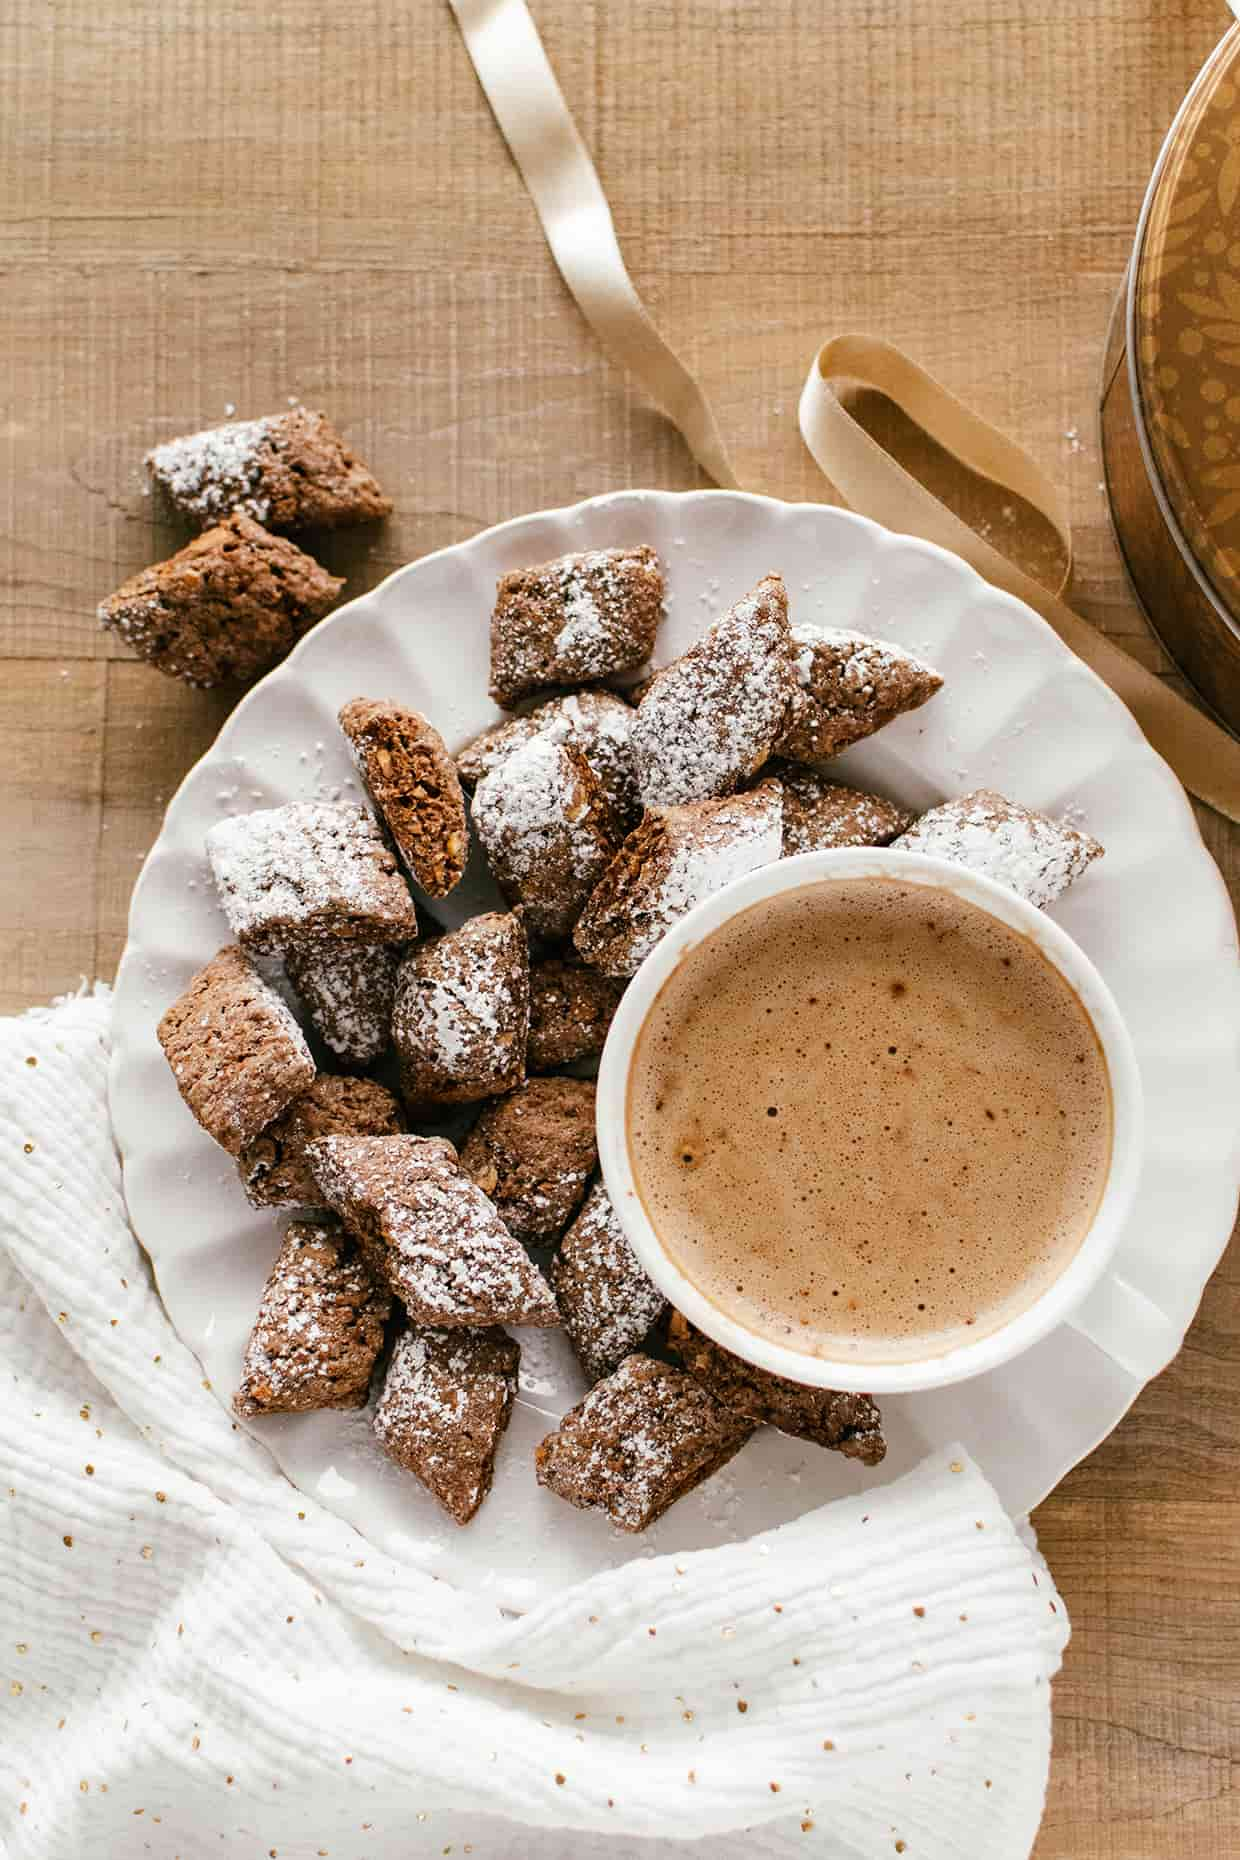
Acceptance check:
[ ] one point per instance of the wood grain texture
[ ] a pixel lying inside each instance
(205, 207)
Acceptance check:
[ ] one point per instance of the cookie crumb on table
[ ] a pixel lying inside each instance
(639, 1441)
(237, 1055)
(674, 859)
(413, 783)
(429, 1232)
(311, 869)
(574, 621)
(225, 608)
(461, 1015)
(533, 1152)
(446, 1400)
(289, 471)
(319, 1327)
(605, 1297)
(851, 1424)
(273, 1168)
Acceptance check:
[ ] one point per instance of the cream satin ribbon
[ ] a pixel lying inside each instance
(529, 107)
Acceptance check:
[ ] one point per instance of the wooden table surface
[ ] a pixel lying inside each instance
(205, 208)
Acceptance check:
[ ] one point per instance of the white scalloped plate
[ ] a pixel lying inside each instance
(1018, 712)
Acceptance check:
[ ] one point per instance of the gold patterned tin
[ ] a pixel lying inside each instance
(1171, 390)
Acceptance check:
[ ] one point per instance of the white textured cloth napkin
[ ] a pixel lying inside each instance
(200, 1659)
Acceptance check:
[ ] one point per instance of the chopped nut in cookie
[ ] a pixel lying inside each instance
(224, 609)
(674, 859)
(319, 1327)
(445, 1404)
(638, 1442)
(605, 1297)
(289, 471)
(309, 870)
(347, 991)
(413, 782)
(429, 1233)
(238, 1056)
(273, 1169)
(819, 814)
(547, 831)
(462, 1012)
(574, 621)
(848, 686)
(851, 1424)
(571, 1008)
(1028, 852)
(597, 723)
(711, 719)
(532, 1153)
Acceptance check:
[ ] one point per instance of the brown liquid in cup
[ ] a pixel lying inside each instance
(868, 1120)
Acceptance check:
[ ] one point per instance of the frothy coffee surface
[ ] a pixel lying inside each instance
(866, 1119)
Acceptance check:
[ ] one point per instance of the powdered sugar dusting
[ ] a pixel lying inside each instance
(1030, 853)
(605, 1297)
(539, 820)
(462, 1010)
(216, 471)
(575, 620)
(347, 989)
(319, 1327)
(445, 1404)
(848, 686)
(597, 723)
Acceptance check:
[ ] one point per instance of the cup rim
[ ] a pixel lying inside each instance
(1097, 1248)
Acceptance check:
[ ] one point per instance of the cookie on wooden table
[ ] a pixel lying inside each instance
(238, 1056)
(820, 814)
(674, 859)
(461, 1017)
(290, 471)
(638, 1442)
(597, 723)
(571, 1008)
(413, 782)
(1028, 852)
(606, 1300)
(574, 621)
(319, 1327)
(711, 718)
(533, 1153)
(850, 1424)
(445, 1405)
(547, 832)
(849, 686)
(312, 869)
(430, 1233)
(225, 608)
(273, 1168)
(347, 991)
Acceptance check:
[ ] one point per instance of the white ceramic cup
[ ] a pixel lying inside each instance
(1060, 1302)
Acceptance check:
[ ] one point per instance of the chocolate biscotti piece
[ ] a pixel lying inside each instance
(312, 869)
(429, 1233)
(1028, 852)
(238, 1056)
(574, 621)
(597, 723)
(606, 1300)
(319, 1327)
(290, 471)
(273, 1169)
(674, 859)
(638, 1442)
(547, 832)
(711, 718)
(462, 1012)
(533, 1152)
(571, 1008)
(820, 815)
(850, 1424)
(413, 782)
(848, 686)
(347, 991)
(225, 608)
(445, 1404)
